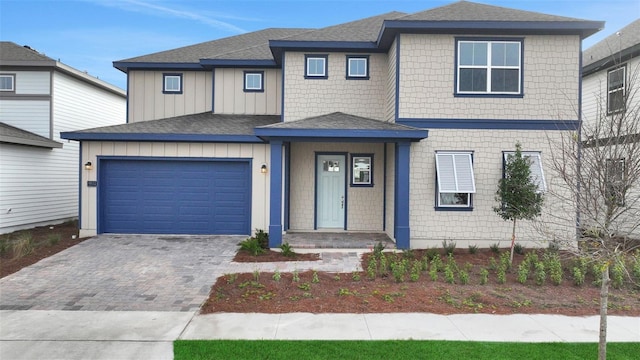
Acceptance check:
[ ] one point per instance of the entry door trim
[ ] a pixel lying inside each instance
(346, 178)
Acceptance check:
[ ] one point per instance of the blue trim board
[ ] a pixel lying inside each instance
(125, 66)
(490, 124)
(287, 184)
(397, 99)
(367, 63)
(252, 72)
(160, 137)
(323, 45)
(80, 170)
(275, 195)
(326, 66)
(402, 228)
(164, 83)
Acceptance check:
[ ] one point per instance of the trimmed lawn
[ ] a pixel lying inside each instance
(394, 349)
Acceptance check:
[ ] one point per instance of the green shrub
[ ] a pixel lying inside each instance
(23, 246)
(263, 238)
(540, 273)
(436, 263)
(518, 249)
(484, 276)
(53, 239)
(617, 274)
(399, 269)
(355, 276)
(378, 249)
(635, 267)
(554, 266)
(495, 247)
(596, 269)
(463, 275)
(372, 268)
(287, 250)
(578, 276)
(473, 249)
(314, 278)
(276, 275)
(252, 246)
(448, 246)
(384, 266)
(296, 276)
(431, 253)
(523, 272)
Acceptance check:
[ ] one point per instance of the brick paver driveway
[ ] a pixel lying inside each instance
(123, 272)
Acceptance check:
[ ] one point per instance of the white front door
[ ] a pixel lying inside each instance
(331, 179)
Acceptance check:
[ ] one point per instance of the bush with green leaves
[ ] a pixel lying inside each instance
(495, 248)
(23, 245)
(383, 268)
(539, 273)
(448, 246)
(372, 268)
(296, 276)
(399, 269)
(276, 275)
(617, 274)
(523, 272)
(263, 238)
(473, 249)
(252, 246)
(287, 250)
(578, 276)
(416, 269)
(484, 276)
(378, 249)
(554, 267)
(314, 277)
(518, 249)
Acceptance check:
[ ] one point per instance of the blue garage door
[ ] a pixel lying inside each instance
(175, 197)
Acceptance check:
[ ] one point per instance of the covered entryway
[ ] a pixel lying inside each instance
(174, 196)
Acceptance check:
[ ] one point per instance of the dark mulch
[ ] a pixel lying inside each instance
(273, 256)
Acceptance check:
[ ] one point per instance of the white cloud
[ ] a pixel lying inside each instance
(207, 18)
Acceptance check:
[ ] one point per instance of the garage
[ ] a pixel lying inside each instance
(174, 196)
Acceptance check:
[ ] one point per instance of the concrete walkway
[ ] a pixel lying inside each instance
(55, 334)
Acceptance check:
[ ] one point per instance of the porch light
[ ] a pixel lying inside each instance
(263, 168)
(88, 165)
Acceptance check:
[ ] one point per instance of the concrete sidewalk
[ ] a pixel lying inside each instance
(42, 334)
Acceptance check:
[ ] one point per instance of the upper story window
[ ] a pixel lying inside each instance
(315, 66)
(616, 80)
(357, 67)
(455, 180)
(489, 67)
(172, 83)
(7, 82)
(253, 81)
(535, 166)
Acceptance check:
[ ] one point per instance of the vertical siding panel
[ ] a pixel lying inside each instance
(148, 102)
(246, 150)
(234, 150)
(195, 150)
(120, 149)
(157, 149)
(145, 149)
(208, 150)
(171, 149)
(183, 149)
(238, 101)
(208, 88)
(133, 148)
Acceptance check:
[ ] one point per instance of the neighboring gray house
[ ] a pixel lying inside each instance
(396, 123)
(39, 98)
(611, 80)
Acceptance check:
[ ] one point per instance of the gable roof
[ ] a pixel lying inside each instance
(340, 126)
(374, 34)
(13, 135)
(14, 55)
(205, 127)
(249, 46)
(617, 47)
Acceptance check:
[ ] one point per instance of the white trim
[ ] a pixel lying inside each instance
(455, 173)
(489, 67)
(13, 82)
(246, 81)
(171, 77)
(324, 67)
(350, 74)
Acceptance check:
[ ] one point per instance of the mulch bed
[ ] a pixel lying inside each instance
(273, 256)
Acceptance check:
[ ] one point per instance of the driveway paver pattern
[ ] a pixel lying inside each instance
(140, 273)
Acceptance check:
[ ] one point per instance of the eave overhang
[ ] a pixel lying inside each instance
(211, 138)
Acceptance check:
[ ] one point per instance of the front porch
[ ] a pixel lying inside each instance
(339, 172)
(336, 240)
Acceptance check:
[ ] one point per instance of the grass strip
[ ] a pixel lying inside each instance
(394, 349)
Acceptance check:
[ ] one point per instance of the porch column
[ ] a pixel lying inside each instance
(275, 195)
(402, 231)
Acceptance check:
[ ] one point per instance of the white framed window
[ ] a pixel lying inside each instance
(172, 83)
(616, 80)
(489, 67)
(455, 180)
(7, 82)
(253, 81)
(615, 187)
(315, 66)
(357, 67)
(362, 170)
(537, 174)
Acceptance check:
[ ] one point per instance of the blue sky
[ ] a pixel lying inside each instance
(90, 34)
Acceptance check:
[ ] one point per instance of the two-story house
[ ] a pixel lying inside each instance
(611, 109)
(39, 98)
(397, 123)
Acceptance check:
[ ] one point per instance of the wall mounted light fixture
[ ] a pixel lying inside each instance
(263, 168)
(88, 165)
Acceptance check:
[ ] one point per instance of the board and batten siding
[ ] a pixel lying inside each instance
(314, 97)
(230, 97)
(147, 101)
(259, 153)
(39, 186)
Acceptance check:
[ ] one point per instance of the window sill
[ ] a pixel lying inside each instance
(362, 185)
(452, 208)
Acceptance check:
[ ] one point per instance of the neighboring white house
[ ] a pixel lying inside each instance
(39, 98)
(611, 79)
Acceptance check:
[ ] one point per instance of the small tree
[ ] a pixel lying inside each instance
(518, 195)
